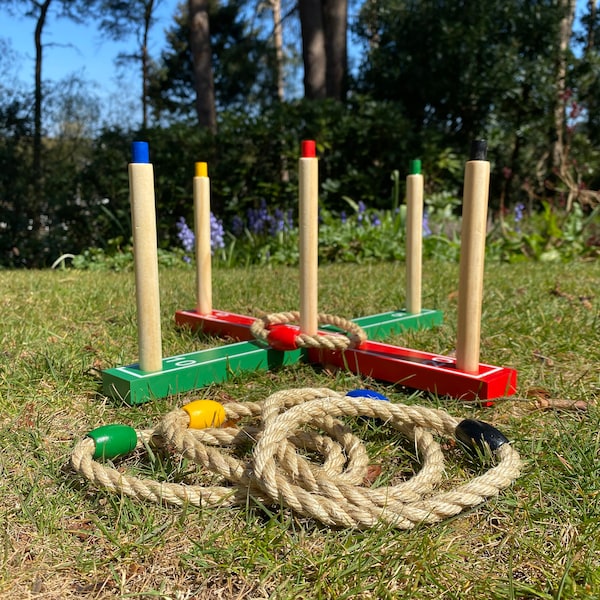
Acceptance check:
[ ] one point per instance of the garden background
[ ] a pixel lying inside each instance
(238, 85)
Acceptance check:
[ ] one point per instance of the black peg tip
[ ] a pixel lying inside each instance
(478, 150)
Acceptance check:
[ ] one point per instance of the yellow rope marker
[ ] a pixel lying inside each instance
(205, 413)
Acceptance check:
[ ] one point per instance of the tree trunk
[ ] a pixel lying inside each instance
(202, 64)
(589, 42)
(335, 18)
(149, 8)
(565, 30)
(313, 49)
(278, 43)
(324, 48)
(37, 116)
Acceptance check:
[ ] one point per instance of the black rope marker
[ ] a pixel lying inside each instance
(479, 435)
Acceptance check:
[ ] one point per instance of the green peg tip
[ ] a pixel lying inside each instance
(113, 440)
(415, 167)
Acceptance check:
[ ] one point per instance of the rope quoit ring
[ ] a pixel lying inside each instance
(265, 329)
(282, 438)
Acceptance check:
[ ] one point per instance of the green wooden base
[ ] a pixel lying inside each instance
(194, 370)
(379, 326)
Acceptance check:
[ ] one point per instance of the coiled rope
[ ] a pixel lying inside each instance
(280, 468)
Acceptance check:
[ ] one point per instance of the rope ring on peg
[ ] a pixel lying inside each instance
(284, 338)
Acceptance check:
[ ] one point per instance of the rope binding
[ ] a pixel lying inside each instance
(268, 330)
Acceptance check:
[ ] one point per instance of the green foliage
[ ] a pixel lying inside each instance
(488, 70)
(15, 157)
(547, 236)
(366, 235)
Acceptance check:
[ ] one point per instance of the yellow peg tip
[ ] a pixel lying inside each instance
(205, 413)
(201, 169)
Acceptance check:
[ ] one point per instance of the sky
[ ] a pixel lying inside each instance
(80, 49)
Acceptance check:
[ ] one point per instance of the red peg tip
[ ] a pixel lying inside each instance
(282, 337)
(309, 149)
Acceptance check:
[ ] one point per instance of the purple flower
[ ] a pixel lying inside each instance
(361, 209)
(217, 233)
(237, 225)
(185, 235)
(426, 228)
(258, 218)
(188, 239)
(277, 222)
(519, 211)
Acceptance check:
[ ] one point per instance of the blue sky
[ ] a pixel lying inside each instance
(78, 49)
(71, 47)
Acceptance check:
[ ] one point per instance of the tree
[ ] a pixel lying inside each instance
(39, 10)
(563, 39)
(242, 61)
(136, 17)
(278, 44)
(324, 52)
(460, 74)
(586, 77)
(202, 64)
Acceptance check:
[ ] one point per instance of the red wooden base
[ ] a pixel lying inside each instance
(414, 369)
(421, 370)
(218, 323)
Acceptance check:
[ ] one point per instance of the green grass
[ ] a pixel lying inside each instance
(61, 538)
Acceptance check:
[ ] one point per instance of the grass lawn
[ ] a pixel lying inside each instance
(62, 538)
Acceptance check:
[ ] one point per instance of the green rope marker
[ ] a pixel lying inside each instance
(415, 167)
(113, 440)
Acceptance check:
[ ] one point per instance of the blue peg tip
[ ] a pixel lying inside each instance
(140, 152)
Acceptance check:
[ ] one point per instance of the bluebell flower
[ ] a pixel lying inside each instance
(375, 220)
(185, 235)
(237, 225)
(258, 218)
(426, 228)
(519, 212)
(277, 222)
(188, 239)
(362, 207)
(217, 233)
